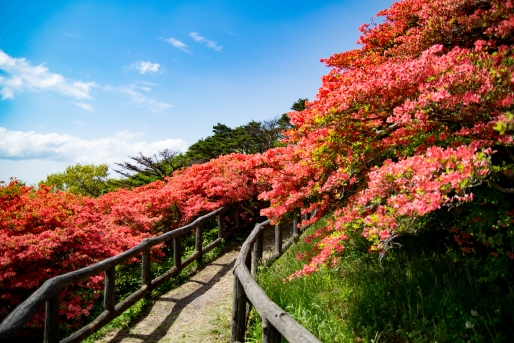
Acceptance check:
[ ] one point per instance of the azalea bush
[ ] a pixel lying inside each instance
(411, 132)
(408, 124)
(45, 233)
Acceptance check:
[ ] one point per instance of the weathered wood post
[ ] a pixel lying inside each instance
(199, 243)
(238, 312)
(110, 278)
(258, 248)
(269, 333)
(146, 272)
(220, 226)
(239, 306)
(51, 334)
(278, 239)
(177, 251)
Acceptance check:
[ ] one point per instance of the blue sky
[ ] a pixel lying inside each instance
(97, 81)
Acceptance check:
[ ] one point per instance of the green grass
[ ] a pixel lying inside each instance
(425, 291)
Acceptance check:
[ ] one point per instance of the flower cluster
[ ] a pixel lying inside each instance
(403, 125)
(60, 232)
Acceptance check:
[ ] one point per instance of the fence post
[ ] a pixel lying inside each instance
(146, 272)
(52, 319)
(177, 252)
(258, 248)
(199, 242)
(110, 275)
(269, 333)
(220, 226)
(238, 312)
(239, 307)
(278, 239)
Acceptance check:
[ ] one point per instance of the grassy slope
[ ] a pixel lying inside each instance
(424, 291)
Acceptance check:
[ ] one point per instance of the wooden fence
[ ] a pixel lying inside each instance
(276, 323)
(49, 292)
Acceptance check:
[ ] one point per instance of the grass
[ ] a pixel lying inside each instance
(425, 291)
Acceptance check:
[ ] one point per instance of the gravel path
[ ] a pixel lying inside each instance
(198, 311)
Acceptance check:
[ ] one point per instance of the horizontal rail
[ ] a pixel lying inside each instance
(276, 322)
(49, 292)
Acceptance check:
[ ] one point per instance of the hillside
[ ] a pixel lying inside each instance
(409, 137)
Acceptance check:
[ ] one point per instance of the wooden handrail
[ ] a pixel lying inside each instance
(49, 292)
(276, 323)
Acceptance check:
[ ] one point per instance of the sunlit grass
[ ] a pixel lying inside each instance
(425, 291)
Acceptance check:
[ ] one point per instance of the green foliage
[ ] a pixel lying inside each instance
(424, 291)
(299, 105)
(221, 143)
(484, 226)
(143, 169)
(88, 179)
(251, 138)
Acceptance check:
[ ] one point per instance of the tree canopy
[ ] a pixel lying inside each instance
(144, 169)
(88, 179)
(251, 138)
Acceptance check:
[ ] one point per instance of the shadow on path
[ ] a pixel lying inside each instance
(161, 330)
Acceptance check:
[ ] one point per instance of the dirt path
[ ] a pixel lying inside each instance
(198, 311)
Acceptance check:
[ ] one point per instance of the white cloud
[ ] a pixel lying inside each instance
(84, 106)
(176, 43)
(210, 44)
(18, 145)
(19, 75)
(141, 100)
(146, 67)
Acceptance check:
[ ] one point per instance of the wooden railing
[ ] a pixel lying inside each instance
(49, 292)
(276, 323)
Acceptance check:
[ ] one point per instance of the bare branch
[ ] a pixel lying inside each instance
(500, 188)
(159, 165)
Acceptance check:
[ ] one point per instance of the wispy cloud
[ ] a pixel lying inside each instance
(134, 91)
(17, 75)
(210, 44)
(84, 106)
(146, 67)
(176, 43)
(18, 145)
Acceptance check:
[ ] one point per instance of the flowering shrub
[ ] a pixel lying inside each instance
(404, 125)
(401, 127)
(45, 234)
(60, 232)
